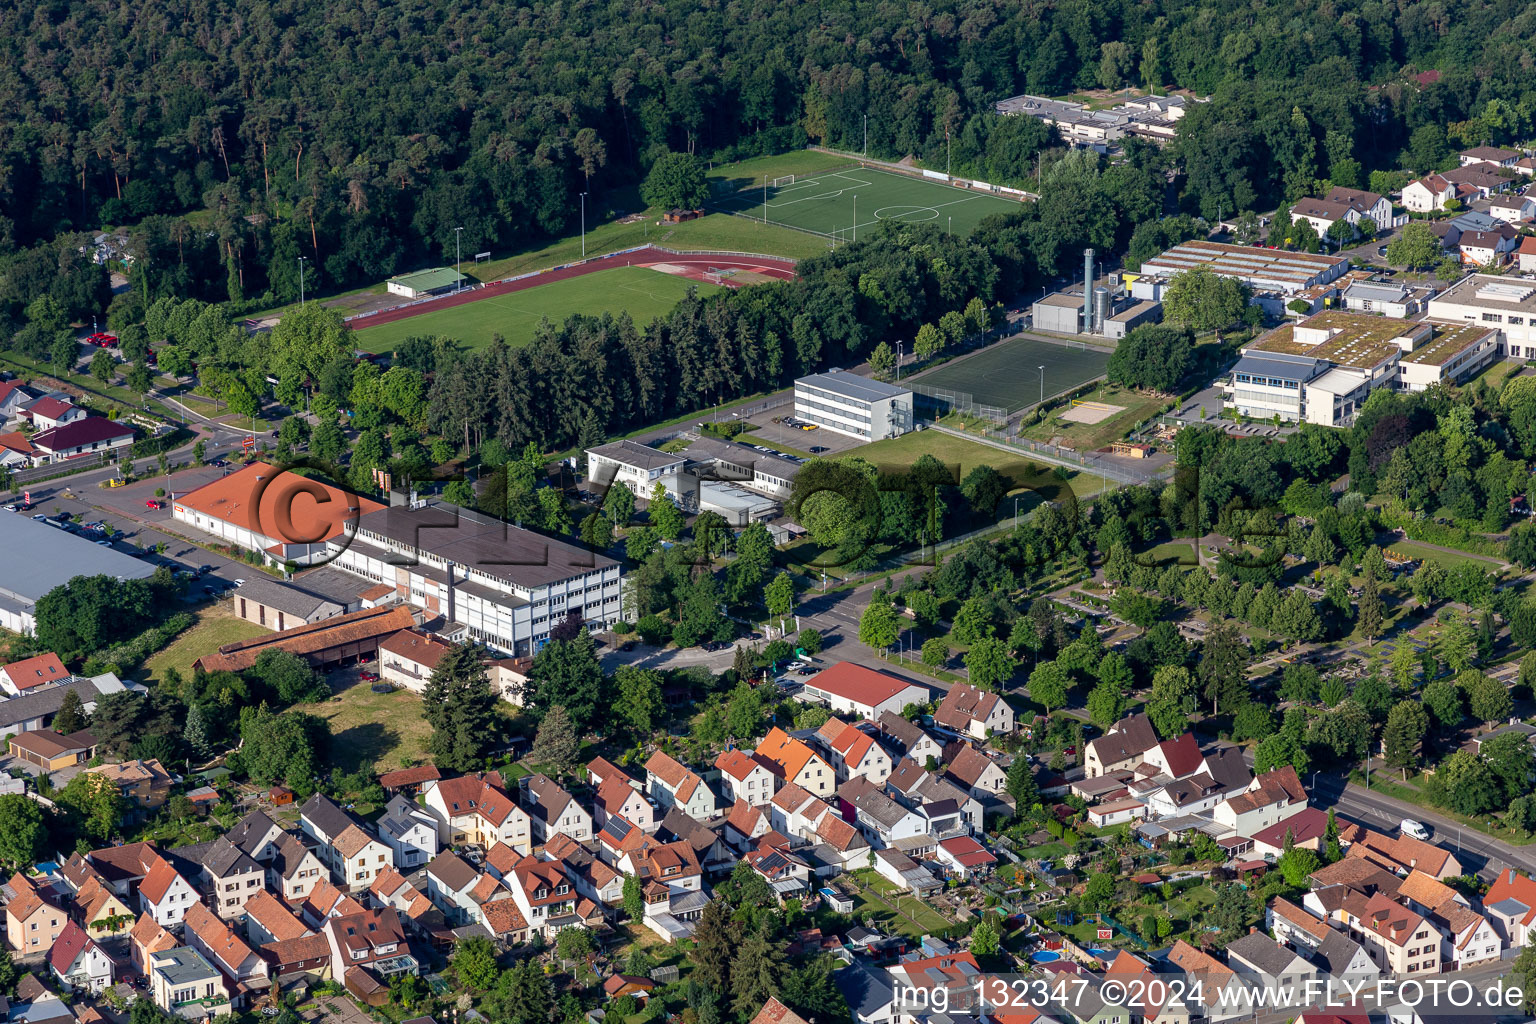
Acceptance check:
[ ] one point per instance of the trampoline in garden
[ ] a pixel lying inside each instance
(1045, 956)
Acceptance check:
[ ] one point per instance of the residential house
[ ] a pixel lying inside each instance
(391, 889)
(410, 831)
(670, 784)
(1295, 925)
(267, 920)
(974, 712)
(971, 768)
(593, 879)
(144, 784)
(544, 895)
(1476, 181)
(618, 838)
(1116, 812)
(30, 673)
(1495, 155)
(964, 857)
(1399, 853)
(1428, 194)
(672, 884)
(907, 739)
(14, 395)
(257, 836)
(1513, 207)
(78, 962)
(950, 809)
(1398, 938)
(793, 761)
(787, 873)
(949, 979)
(33, 920)
(1122, 746)
(16, 452)
(475, 809)
(618, 793)
(1525, 255)
(225, 871)
(1162, 1003)
(346, 844)
(883, 821)
(146, 938)
(744, 824)
(853, 751)
(325, 901)
(1223, 774)
(294, 870)
(775, 1012)
(409, 780)
(242, 969)
(1467, 937)
(1260, 960)
(373, 941)
(795, 813)
(184, 984)
(552, 810)
(708, 842)
(408, 657)
(841, 843)
(1306, 829)
(306, 955)
(165, 895)
(851, 689)
(1269, 798)
(1211, 986)
(100, 910)
(1340, 956)
(869, 992)
(1488, 248)
(450, 880)
(1510, 904)
(747, 777)
(53, 411)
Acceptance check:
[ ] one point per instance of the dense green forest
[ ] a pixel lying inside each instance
(243, 135)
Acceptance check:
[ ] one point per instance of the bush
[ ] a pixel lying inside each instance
(159, 492)
(622, 628)
(654, 630)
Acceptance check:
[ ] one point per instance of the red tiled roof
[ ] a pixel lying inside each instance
(159, 880)
(91, 430)
(1305, 825)
(1182, 754)
(775, 1012)
(786, 755)
(351, 628)
(410, 776)
(293, 509)
(858, 684)
(963, 704)
(967, 851)
(737, 763)
(50, 408)
(417, 648)
(274, 917)
(72, 941)
(36, 671)
(673, 774)
(1510, 886)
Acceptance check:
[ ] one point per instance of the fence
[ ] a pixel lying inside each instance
(53, 470)
(1051, 453)
(942, 401)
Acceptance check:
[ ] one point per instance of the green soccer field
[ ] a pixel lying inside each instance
(645, 294)
(1008, 374)
(839, 204)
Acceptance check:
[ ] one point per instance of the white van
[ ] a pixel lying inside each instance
(1413, 829)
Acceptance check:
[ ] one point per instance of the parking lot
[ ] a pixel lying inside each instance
(790, 436)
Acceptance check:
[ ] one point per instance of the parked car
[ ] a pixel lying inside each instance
(1414, 829)
(41, 517)
(239, 583)
(368, 677)
(102, 340)
(817, 449)
(154, 503)
(1381, 251)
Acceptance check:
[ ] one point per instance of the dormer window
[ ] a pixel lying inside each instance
(562, 890)
(540, 893)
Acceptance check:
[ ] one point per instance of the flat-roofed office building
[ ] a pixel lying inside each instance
(1502, 304)
(870, 410)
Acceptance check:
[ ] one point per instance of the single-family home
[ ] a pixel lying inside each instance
(1513, 207)
(1428, 194)
(1467, 937)
(257, 836)
(78, 963)
(852, 750)
(671, 784)
(793, 761)
(146, 938)
(368, 947)
(408, 657)
(597, 881)
(409, 780)
(869, 992)
(964, 857)
(29, 673)
(1397, 937)
(841, 842)
(1495, 155)
(267, 920)
(971, 711)
(91, 434)
(902, 738)
(1212, 987)
(223, 870)
(1306, 829)
(882, 820)
(53, 411)
(747, 777)
(851, 689)
(544, 895)
(475, 809)
(243, 970)
(145, 784)
(1399, 853)
(1295, 925)
(1525, 255)
(1340, 956)
(100, 910)
(16, 452)
(1477, 181)
(795, 812)
(450, 880)
(391, 889)
(1510, 904)
(33, 919)
(184, 984)
(552, 809)
(1124, 745)
(618, 793)
(974, 770)
(708, 841)
(410, 831)
(1269, 798)
(744, 823)
(1488, 248)
(1263, 961)
(346, 844)
(165, 895)
(14, 396)
(294, 870)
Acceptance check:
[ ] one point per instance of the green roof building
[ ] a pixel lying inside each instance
(425, 282)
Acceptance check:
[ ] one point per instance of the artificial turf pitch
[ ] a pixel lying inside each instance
(839, 204)
(644, 293)
(1008, 374)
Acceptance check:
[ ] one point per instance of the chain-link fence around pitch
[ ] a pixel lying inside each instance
(934, 402)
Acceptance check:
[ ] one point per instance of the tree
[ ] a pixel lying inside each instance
(779, 596)
(1223, 667)
(22, 832)
(1416, 248)
(985, 938)
(461, 708)
(279, 748)
(812, 992)
(574, 944)
(1203, 301)
(1510, 757)
(808, 640)
(1174, 696)
(619, 503)
(556, 744)
(1020, 784)
(988, 663)
(1106, 704)
(567, 673)
(96, 803)
(1368, 619)
(935, 652)
(881, 359)
(1487, 698)
(1099, 890)
(289, 676)
(1151, 356)
(675, 182)
(474, 959)
(71, 714)
(1404, 733)
(715, 938)
(639, 705)
(878, 626)
(744, 712)
(103, 366)
(1444, 701)
(983, 488)
(1277, 751)
(1296, 864)
(634, 898)
(665, 517)
(1048, 685)
(756, 970)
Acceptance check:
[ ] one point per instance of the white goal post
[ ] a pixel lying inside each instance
(788, 179)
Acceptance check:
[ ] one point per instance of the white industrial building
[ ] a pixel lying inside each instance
(740, 483)
(40, 557)
(503, 585)
(637, 466)
(1110, 312)
(1505, 305)
(843, 402)
(1275, 276)
(1321, 370)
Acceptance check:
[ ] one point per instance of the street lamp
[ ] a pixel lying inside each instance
(583, 225)
(459, 282)
(302, 260)
(1042, 385)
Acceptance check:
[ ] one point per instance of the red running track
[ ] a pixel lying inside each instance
(698, 268)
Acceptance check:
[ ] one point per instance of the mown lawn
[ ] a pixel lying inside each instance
(1449, 559)
(216, 626)
(373, 730)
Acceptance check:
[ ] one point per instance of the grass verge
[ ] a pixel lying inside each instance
(216, 626)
